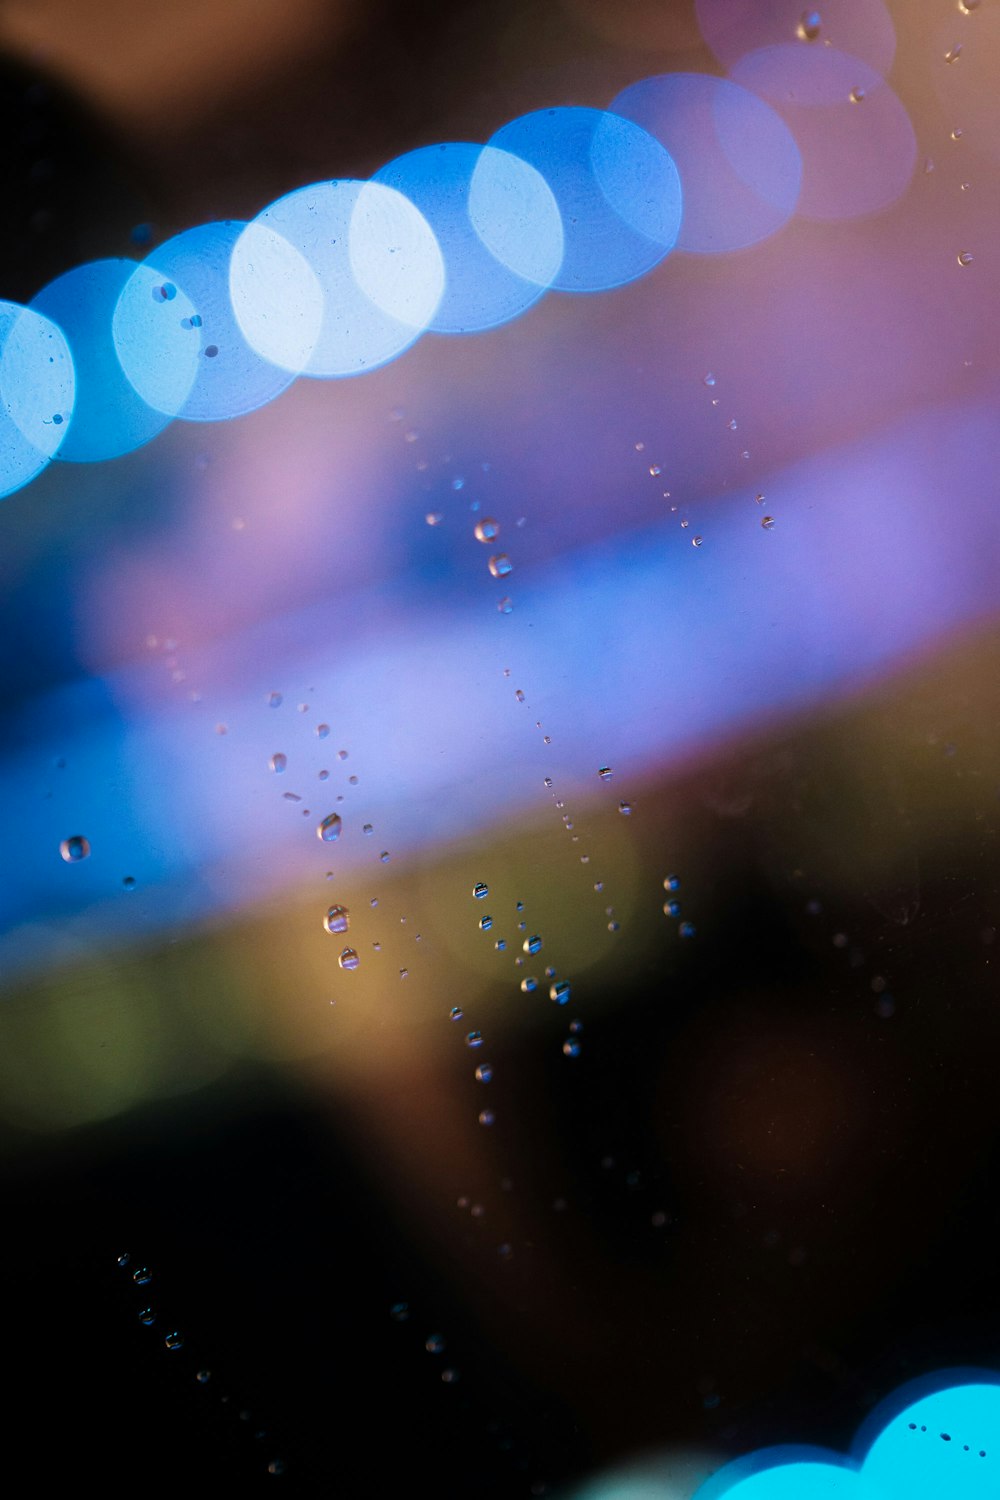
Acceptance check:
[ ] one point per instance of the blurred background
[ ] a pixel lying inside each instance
(740, 796)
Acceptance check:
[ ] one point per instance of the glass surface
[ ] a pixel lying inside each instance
(500, 847)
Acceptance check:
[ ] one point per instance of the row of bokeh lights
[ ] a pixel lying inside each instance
(340, 277)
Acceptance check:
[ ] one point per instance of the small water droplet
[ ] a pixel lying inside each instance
(291, 797)
(810, 26)
(449, 1376)
(276, 1466)
(505, 606)
(686, 929)
(322, 731)
(968, 6)
(857, 94)
(487, 1117)
(484, 1073)
(174, 1340)
(710, 378)
(696, 541)
(480, 890)
(485, 923)
(671, 908)
(956, 134)
(124, 1258)
(500, 565)
(767, 522)
(560, 992)
(399, 1312)
(143, 1276)
(385, 856)
(434, 518)
(474, 1039)
(519, 695)
(529, 983)
(203, 1377)
(672, 883)
(731, 424)
(337, 919)
(953, 53)
(965, 257)
(435, 1344)
(487, 530)
(605, 773)
(147, 1316)
(571, 1048)
(74, 849)
(456, 1013)
(532, 944)
(348, 959)
(330, 828)
(625, 808)
(278, 762)
(655, 469)
(274, 700)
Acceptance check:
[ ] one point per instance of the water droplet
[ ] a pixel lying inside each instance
(203, 1377)
(322, 731)
(655, 469)
(174, 1340)
(276, 1466)
(435, 1344)
(968, 6)
(487, 530)
(956, 134)
(965, 257)
(605, 773)
(449, 1376)
(953, 53)
(809, 27)
(529, 983)
(74, 849)
(385, 856)
(474, 1039)
(399, 1312)
(456, 1013)
(767, 522)
(686, 929)
(329, 829)
(484, 1073)
(128, 881)
(485, 923)
(571, 1048)
(696, 541)
(731, 424)
(349, 959)
(434, 518)
(625, 808)
(857, 94)
(143, 1276)
(291, 797)
(486, 1117)
(124, 1258)
(480, 889)
(546, 739)
(404, 973)
(505, 606)
(671, 908)
(147, 1316)
(501, 945)
(560, 992)
(500, 565)
(710, 378)
(274, 700)
(672, 883)
(278, 762)
(337, 919)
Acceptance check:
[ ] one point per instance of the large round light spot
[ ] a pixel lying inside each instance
(230, 378)
(496, 222)
(739, 166)
(857, 143)
(110, 417)
(375, 278)
(36, 394)
(618, 192)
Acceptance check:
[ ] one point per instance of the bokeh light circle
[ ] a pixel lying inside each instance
(617, 189)
(739, 165)
(864, 28)
(353, 265)
(497, 225)
(857, 142)
(110, 417)
(230, 378)
(36, 394)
